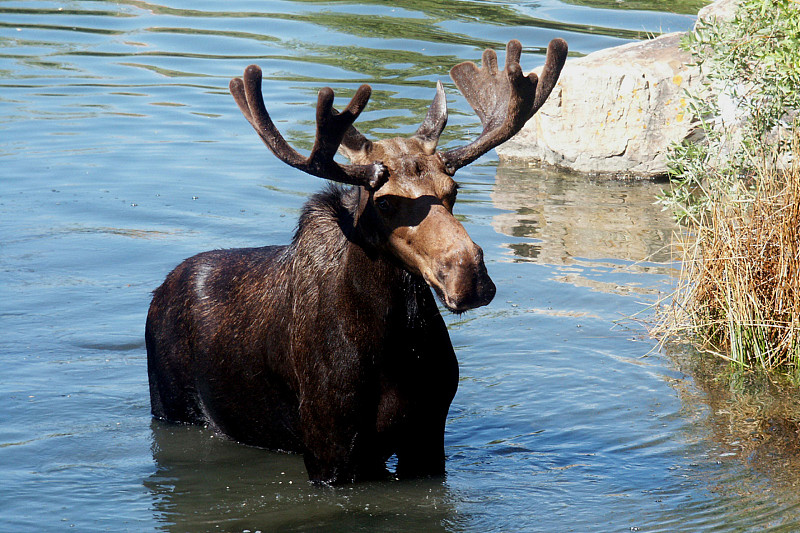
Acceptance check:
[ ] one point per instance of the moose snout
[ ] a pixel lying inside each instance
(462, 280)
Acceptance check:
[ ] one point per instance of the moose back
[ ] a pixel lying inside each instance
(333, 346)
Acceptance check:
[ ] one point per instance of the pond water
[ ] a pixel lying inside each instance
(121, 153)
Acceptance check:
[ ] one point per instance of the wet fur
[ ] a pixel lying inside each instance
(324, 347)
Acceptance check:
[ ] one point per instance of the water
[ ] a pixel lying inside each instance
(121, 153)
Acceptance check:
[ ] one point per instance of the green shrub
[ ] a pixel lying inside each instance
(750, 98)
(738, 191)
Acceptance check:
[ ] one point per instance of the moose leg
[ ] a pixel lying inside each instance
(172, 393)
(429, 388)
(421, 450)
(338, 446)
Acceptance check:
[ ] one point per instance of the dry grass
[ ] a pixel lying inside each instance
(739, 291)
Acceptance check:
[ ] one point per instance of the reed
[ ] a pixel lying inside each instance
(737, 192)
(739, 290)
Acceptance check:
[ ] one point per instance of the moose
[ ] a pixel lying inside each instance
(333, 346)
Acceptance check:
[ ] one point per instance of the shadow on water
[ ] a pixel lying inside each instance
(204, 482)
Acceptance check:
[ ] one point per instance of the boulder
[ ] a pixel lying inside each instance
(613, 112)
(721, 10)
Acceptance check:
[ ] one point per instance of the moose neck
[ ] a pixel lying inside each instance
(332, 239)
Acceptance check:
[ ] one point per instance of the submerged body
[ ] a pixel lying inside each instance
(346, 393)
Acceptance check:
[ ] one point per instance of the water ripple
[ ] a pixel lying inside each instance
(123, 153)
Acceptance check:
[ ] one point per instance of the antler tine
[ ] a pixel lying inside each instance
(331, 129)
(505, 100)
(431, 128)
(247, 94)
(553, 63)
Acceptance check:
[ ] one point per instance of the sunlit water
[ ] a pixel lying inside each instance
(121, 153)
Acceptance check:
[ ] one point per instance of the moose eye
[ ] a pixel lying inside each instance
(383, 204)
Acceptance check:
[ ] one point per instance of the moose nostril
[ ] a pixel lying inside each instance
(485, 288)
(441, 274)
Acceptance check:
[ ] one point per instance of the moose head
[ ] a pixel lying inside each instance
(408, 185)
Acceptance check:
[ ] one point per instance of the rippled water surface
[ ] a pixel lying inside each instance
(121, 153)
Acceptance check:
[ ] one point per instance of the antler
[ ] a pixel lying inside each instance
(505, 100)
(331, 129)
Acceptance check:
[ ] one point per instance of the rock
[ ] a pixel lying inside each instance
(613, 112)
(722, 10)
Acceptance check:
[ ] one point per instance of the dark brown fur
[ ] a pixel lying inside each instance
(347, 369)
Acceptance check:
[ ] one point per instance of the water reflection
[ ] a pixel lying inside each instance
(745, 440)
(677, 6)
(563, 217)
(203, 482)
(752, 417)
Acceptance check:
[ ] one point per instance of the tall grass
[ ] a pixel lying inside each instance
(738, 192)
(739, 290)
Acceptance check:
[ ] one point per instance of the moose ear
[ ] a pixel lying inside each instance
(431, 128)
(355, 144)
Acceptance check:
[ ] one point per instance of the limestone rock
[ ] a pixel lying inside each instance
(613, 112)
(721, 10)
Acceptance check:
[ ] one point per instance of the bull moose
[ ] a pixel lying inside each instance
(333, 346)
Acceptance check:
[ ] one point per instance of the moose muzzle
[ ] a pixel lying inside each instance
(450, 262)
(461, 280)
